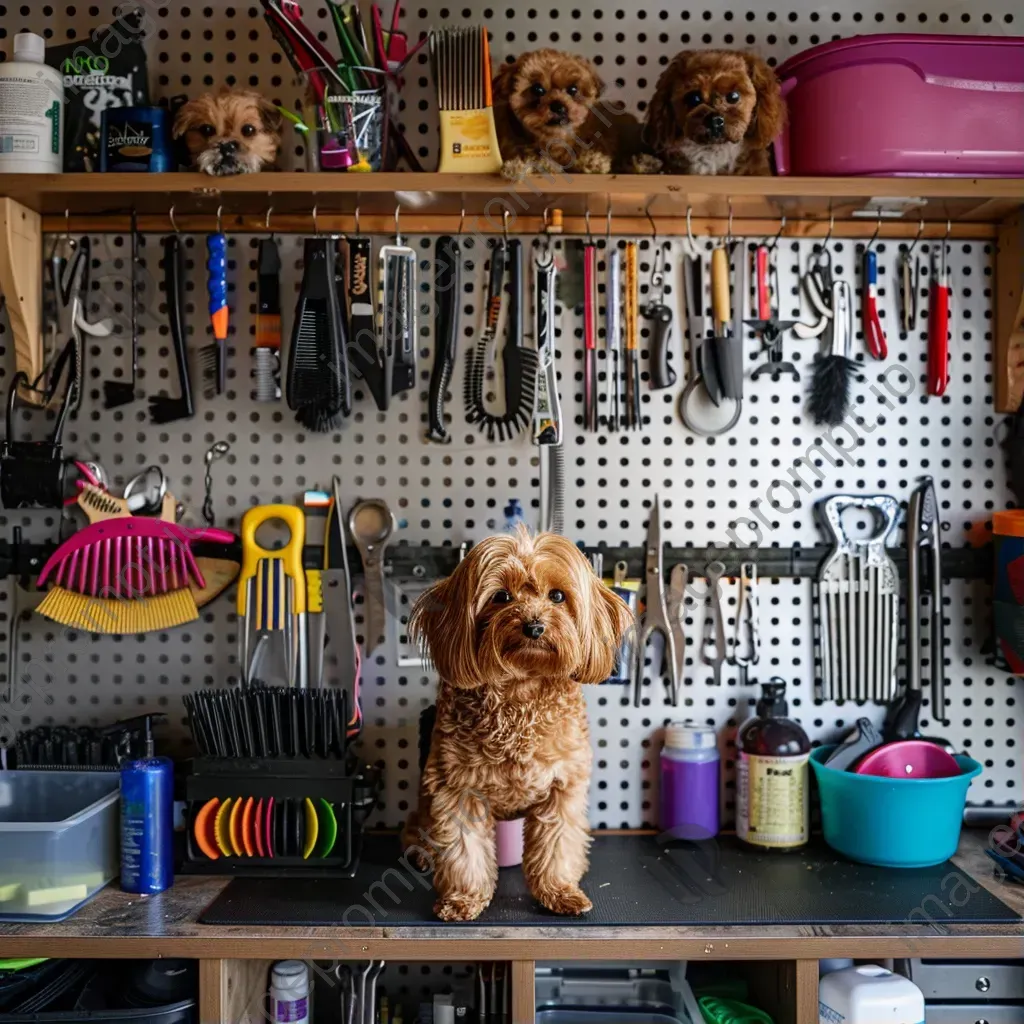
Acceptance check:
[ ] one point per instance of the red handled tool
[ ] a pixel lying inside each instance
(764, 293)
(874, 335)
(938, 323)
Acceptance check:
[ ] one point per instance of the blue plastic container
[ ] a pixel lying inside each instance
(894, 823)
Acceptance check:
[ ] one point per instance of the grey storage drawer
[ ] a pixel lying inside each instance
(973, 1013)
(942, 980)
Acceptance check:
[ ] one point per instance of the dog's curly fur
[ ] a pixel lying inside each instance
(550, 117)
(234, 131)
(713, 112)
(511, 737)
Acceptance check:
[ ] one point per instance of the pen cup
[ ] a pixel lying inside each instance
(358, 143)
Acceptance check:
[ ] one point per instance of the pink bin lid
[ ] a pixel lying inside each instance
(979, 62)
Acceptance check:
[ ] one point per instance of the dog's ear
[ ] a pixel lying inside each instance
(190, 116)
(660, 126)
(608, 621)
(273, 120)
(443, 623)
(501, 87)
(770, 112)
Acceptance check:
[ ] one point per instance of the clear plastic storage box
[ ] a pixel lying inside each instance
(58, 841)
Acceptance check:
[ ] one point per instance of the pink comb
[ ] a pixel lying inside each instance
(131, 558)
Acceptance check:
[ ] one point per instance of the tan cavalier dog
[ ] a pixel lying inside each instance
(234, 131)
(713, 112)
(550, 118)
(514, 632)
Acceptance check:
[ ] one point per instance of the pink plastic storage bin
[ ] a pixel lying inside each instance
(905, 104)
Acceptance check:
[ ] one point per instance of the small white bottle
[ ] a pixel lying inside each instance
(31, 110)
(289, 993)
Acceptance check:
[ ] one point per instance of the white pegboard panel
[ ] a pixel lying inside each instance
(457, 493)
(195, 46)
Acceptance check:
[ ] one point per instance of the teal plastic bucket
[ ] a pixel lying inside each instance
(894, 823)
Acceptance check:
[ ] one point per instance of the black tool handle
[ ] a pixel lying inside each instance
(363, 357)
(447, 290)
(174, 288)
(515, 288)
(662, 375)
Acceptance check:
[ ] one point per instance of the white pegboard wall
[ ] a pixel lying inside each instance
(450, 495)
(457, 493)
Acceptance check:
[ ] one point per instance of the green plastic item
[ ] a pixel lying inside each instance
(730, 1011)
(20, 965)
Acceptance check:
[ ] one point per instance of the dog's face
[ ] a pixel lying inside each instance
(714, 97)
(235, 131)
(521, 608)
(548, 92)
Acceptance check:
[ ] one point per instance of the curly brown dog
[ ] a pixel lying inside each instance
(550, 117)
(234, 131)
(514, 631)
(713, 112)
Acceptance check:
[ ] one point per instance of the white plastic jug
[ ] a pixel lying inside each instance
(868, 994)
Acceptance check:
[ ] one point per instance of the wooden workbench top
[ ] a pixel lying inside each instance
(116, 924)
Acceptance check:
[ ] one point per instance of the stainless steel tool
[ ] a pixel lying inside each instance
(924, 581)
(677, 581)
(714, 651)
(371, 524)
(655, 617)
(339, 612)
(746, 646)
(858, 601)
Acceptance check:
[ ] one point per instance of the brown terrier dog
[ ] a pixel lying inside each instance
(713, 112)
(234, 131)
(549, 117)
(513, 632)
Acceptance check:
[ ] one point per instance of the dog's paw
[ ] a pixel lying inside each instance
(516, 168)
(645, 163)
(569, 900)
(461, 906)
(593, 162)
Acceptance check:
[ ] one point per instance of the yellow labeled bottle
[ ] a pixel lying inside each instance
(772, 778)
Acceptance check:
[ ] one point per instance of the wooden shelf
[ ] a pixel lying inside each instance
(962, 201)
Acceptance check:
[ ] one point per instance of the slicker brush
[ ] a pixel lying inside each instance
(834, 371)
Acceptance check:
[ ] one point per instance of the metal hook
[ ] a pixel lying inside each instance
(778, 234)
(316, 229)
(917, 237)
(357, 219)
(586, 221)
(728, 227)
(174, 223)
(654, 227)
(504, 224)
(398, 232)
(692, 249)
(462, 218)
(878, 227)
(831, 227)
(220, 225)
(270, 210)
(67, 224)
(608, 221)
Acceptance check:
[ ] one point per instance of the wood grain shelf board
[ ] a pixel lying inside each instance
(977, 200)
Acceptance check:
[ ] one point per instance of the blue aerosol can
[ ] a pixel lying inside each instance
(147, 821)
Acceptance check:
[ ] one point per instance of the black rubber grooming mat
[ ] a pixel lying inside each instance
(633, 881)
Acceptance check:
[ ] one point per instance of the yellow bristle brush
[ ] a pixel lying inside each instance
(126, 574)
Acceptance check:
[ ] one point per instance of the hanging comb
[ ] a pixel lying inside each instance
(125, 574)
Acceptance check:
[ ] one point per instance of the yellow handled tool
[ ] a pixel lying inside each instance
(720, 304)
(272, 589)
